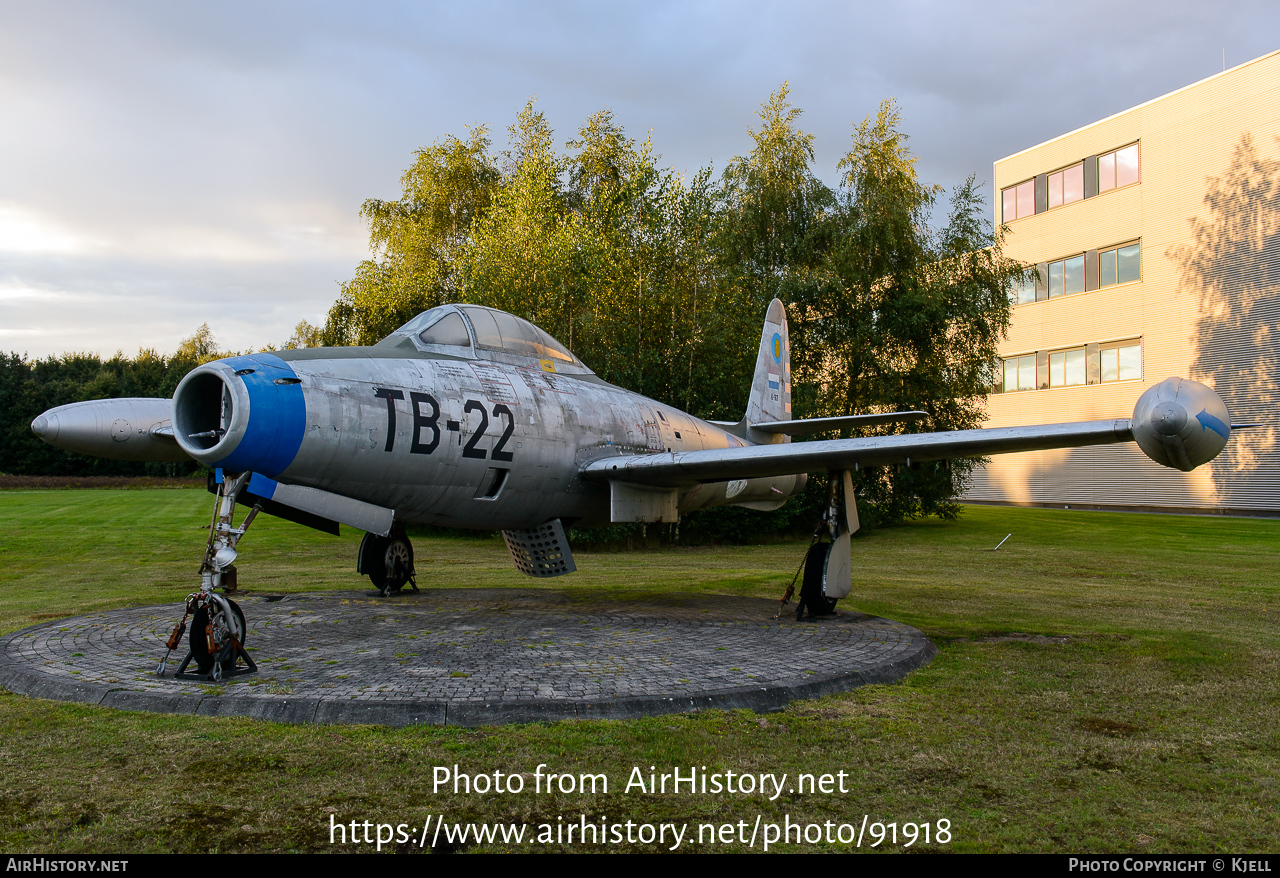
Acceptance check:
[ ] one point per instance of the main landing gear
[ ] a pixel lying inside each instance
(388, 562)
(812, 595)
(828, 566)
(218, 629)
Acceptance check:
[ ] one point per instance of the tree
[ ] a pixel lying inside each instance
(658, 283)
(595, 244)
(902, 316)
(305, 335)
(521, 255)
(199, 347)
(773, 203)
(416, 240)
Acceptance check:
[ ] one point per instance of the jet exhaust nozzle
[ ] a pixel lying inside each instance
(1181, 423)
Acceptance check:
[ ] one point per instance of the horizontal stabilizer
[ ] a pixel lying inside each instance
(821, 425)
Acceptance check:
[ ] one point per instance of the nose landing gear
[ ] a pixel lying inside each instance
(216, 642)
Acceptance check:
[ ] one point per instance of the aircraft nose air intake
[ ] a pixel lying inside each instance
(1181, 423)
(45, 427)
(242, 414)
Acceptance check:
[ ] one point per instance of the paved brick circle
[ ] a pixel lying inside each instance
(470, 657)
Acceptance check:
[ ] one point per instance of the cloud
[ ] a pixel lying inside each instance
(22, 230)
(177, 154)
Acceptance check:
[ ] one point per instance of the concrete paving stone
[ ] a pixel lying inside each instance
(471, 657)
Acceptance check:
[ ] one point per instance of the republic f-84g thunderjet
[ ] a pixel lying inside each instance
(474, 418)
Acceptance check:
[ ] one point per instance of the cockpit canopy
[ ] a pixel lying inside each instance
(468, 330)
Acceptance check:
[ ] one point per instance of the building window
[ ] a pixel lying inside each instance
(1024, 288)
(1073, 367)
(1120, 362)
(1066, 276)
(1119, 168)
(1119, 265)
(1066, 368)
(1083, 272)
(1018, 201)
(1020, 373)
(1067, 185)
(1085, 179)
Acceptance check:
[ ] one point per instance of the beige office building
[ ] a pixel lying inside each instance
(1156, 233)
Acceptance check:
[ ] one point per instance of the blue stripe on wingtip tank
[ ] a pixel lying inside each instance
(277, 417)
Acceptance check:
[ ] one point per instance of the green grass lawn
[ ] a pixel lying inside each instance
(1106, 682)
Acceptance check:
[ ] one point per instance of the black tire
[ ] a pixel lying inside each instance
(200, 644)
(373, 559)
(387, 561)
(811, 595)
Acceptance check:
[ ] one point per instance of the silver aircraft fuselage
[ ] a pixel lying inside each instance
(474, 418)
(475, 443)
(467, 417)
(471, 417)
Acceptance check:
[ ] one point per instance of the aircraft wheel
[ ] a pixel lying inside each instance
(811, 595)
(398, 563)
(199, 642)
(373, 559)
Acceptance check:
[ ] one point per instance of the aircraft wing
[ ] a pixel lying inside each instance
(762, 461)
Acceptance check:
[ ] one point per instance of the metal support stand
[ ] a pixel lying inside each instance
(236, 671)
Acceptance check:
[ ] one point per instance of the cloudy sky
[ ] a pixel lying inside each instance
(164, 165)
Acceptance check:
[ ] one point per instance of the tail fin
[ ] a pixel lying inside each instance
(770, 398)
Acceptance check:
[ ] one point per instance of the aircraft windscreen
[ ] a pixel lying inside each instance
(487, 334)
(449, 331)
(553, 348)
(500, 331)
(426, 318)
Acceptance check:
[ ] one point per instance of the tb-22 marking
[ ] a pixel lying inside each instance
(432, 423)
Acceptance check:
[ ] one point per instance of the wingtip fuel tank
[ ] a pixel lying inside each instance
(1180, 423)
(117, 429)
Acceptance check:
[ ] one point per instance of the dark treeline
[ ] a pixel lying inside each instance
(659, 283)
(29, 387)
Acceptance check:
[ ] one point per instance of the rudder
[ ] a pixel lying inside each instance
(770, 398)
